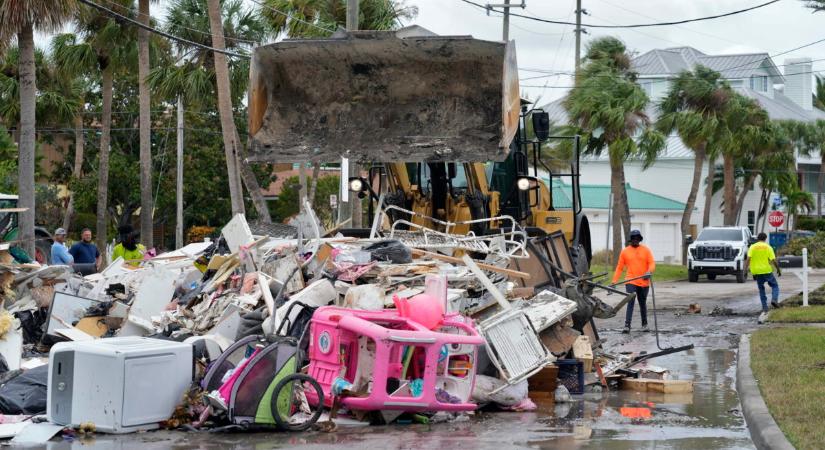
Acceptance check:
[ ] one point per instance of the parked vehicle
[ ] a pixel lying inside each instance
(9, 229)
(719, 251)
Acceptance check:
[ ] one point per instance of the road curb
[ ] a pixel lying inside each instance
(765, 433)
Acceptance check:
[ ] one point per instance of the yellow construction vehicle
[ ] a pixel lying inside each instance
(439, 118)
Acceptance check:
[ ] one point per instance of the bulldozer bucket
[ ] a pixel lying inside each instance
(406, 95)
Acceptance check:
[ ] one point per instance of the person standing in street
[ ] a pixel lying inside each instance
(85, 251)
(638, 260)
(761, 261)
(60, 254)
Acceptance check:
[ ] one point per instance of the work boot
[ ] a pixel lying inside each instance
(626, 330)
(645, 329)
(774, 304)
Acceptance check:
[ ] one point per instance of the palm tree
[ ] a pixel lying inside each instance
(194, 77)
(746, 125)
(145, 121)
(607, 106)
(102, 47)
(319, 19)
(21, 18)
(231, 145)
(819, 92)
(694, 106)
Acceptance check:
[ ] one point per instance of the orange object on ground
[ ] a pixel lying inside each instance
(636, 413)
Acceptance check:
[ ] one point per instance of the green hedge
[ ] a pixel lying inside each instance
(810, 223)
(815, 245)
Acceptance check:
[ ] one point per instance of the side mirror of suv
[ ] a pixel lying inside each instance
(751, 240)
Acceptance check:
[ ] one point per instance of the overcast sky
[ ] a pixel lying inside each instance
(773, 29)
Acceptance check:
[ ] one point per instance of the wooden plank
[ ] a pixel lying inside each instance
(658, 386)
(454, 260)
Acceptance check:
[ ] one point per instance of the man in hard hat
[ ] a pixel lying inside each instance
(638, 260)
(761, 261)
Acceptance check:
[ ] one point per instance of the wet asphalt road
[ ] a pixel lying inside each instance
(709, 418)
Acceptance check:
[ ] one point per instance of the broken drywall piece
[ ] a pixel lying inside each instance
(11, 346)
(318, 293)
(286, 271)
(368, 297)
(73, 334)
(10, 430)
(237, 233)
(37, 433)
(547, 308)
(151, 298)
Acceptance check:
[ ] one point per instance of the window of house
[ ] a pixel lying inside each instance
(752, 221)
(759, 83)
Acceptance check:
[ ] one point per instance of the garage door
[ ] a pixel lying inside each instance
(662, 241)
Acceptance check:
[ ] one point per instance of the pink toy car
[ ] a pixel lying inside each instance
(393, 362)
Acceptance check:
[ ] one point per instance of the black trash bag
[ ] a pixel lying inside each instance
(390, 250)
(31, 323)
(26, 393)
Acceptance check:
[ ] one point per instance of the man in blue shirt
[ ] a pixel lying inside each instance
(60, 255)
(85, 252)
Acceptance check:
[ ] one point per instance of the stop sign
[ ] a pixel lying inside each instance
(776, 219)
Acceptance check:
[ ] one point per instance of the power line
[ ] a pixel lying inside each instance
(229, 38)
(162, 33)
(638, 25)
(290, 16)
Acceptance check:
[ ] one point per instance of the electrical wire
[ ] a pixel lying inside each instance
(159, 32)
(289, 16)
(205, 33)
(638, 25)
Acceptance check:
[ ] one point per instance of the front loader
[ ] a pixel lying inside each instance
(438, 121)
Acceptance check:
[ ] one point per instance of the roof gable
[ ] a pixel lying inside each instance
(595, 196)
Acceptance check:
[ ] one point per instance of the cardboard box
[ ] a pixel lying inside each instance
(546, 380)
(658, 386)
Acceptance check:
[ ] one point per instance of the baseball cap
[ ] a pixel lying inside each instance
(60, 231)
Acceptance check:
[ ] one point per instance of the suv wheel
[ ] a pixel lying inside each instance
(693, 276)
(711, 276)
(740, 276)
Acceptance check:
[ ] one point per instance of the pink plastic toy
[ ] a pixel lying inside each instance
(422, 308)
(393, 362)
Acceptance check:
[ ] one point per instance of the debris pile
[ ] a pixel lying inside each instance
(292, 329)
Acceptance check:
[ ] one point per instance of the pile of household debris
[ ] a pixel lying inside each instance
(291, 329)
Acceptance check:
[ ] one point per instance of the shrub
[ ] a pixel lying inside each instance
(815, 246)
(810, 223)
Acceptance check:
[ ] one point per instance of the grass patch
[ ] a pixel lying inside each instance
(664, 272)
(789, 364)
(811, 314)
(815, 297)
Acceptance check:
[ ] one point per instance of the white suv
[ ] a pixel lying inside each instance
(719, 251)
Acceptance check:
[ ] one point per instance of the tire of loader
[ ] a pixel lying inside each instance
(693, 276)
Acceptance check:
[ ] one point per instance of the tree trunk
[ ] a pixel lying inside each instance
(77, 170)
(729, 190)
(624, 204)
(740, 202)
(225, 107)
(615, 187)
(820, 183)
(252, 185)
(26, 147)
(698, 162)
(302, 185)
(709, 192)
(145, 121)
(103, 168)
(313, 185)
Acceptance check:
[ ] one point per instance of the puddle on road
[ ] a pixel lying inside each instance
(709, 418)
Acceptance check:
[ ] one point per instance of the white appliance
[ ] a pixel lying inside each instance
(121, 384)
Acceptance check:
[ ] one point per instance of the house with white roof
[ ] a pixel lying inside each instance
(784, 94)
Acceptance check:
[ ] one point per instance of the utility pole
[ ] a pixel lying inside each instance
(578, 33)
(179, 181)
(354, 170)
(506, 26)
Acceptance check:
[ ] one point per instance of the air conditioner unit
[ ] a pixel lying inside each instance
(121, 384)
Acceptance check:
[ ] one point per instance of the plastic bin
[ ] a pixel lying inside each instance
(571, 375)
